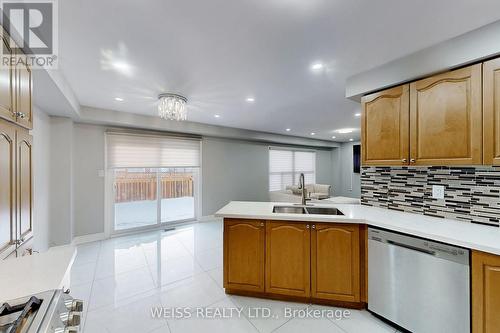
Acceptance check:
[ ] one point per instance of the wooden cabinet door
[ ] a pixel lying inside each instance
(23, 86)
(24, 185)
(385, 127)
(288, 258)
(335, 262)
(491, 112)
(7, 187)
(6, 86)
(244, 246)
(446, 118)
(485, 292)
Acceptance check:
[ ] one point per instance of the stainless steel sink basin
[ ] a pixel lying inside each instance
(289, 210)
(323, 211)
(306, 210)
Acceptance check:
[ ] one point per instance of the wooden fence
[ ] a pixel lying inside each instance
(143, 186)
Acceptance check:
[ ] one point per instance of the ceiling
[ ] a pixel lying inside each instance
(217, 53)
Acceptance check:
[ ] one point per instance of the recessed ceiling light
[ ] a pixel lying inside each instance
(351, 139)
(317, 66)
(121, 66)
(345, 130)
(312, 133)
(357, 114)
(250, 99)
(334, 137)
(288, 129)
(217, 116)
(118, 99)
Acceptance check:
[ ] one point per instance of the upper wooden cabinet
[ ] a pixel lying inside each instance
(6, 87)
(288, 258)
(16, 86)
(446, 118)
(7, 188)
(439, 124)
(385, 127)
(485, 292)
(244, 245)
(335, 262)
(491, 112)
(23, 93)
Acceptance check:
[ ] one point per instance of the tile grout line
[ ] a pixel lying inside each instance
(87, 308)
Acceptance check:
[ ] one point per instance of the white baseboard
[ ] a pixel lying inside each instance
(88, 238)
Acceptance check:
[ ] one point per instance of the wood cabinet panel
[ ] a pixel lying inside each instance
(6, 86)
(23, 90)
(491, 112)
(288, 258)
(385, 127)
(244, 246)
(485, 292)
(446, 118)
(7, 186)
(24, 184)
(335, 262)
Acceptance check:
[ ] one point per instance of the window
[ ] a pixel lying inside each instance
(285, 167)
(154, 179)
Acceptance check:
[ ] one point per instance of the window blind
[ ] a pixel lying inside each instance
(285, 167)
(149, 151)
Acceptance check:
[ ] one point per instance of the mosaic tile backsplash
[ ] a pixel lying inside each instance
(472, 194)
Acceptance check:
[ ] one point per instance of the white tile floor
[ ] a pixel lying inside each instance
(121, 279)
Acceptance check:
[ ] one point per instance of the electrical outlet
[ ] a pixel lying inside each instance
(437, 192)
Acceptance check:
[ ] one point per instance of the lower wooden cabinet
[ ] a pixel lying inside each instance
(485, 292)
(244, 247)
(7, 188)
(288, 255)
(16, 187)
(335, 262)
(24, 179)
(319, 262)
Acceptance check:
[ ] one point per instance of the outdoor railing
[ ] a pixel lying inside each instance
(143, 186)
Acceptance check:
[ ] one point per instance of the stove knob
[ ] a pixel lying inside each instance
(71, 318)
(74, 305)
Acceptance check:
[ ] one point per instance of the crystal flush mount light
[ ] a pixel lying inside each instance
(172, 106)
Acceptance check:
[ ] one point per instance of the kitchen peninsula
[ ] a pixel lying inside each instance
(322, 258)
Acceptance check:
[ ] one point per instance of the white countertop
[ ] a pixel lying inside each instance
(33, 274)
(465, 234)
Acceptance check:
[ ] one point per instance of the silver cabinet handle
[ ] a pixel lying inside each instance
(307, 226)
(314, 226)
(261, 224)
(412, 160)
(404, 160)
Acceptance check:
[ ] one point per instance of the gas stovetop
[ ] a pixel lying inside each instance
(49, 312)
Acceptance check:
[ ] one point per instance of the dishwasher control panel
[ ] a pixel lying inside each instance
(437, 249)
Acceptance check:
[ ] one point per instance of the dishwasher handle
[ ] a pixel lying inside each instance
(410, 247)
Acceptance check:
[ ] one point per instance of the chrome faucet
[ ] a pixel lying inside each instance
(302, 186)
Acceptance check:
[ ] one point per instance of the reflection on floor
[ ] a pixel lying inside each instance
(143, 213)
(122, 279)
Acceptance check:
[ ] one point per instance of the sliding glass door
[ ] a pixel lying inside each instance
(145, 197)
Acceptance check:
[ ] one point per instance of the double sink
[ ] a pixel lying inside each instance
(299, 209)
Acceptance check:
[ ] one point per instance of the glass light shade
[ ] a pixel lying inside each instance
(172, 107)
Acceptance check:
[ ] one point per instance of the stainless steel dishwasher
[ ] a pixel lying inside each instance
(418, 284)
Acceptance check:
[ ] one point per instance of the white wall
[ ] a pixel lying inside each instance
(41, 176)
(349, 182)
(61, 180)
(88, 193)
